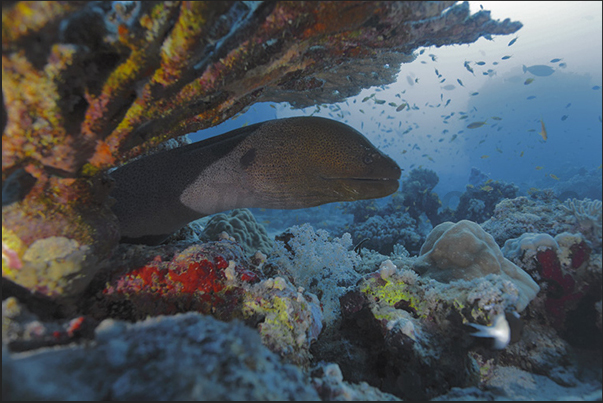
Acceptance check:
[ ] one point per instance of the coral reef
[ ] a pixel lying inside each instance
(580, 183)
(477, 203)
(542, 213)
(194, 357)
(23, 330)
(382, 233)
(566, 268)
(477, 177)
(322, 266)
(328, 381)
(405, 219)
(212, 278)
(88, 86)
(514, 217)
(361, 210)
(465, 251)
(417, 195)
(404, 333)
(407, 334)
(588, 215)
(242, 226)
(507, 383)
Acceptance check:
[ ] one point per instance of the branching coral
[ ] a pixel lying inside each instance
(477, 203)
(382, 233)
(417, 195)
(320, 265)
(589, 215)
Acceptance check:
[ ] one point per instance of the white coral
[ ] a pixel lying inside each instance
(588, 213)
(322, 266)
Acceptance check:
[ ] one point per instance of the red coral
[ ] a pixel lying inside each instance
(551, 270)
(580, 254)
(249, 276)
(200, 276)
(561, 293)
(193, 280)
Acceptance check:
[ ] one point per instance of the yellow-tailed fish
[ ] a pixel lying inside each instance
(475, 125)
(543, 131)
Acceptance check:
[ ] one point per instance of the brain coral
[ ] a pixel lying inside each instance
(241, 225)
(465, 251)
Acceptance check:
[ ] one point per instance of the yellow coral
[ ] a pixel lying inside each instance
(392, 293)
(12, 252)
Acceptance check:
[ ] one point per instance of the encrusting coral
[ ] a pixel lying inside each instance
(214, 278)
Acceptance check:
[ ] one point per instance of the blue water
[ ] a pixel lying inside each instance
(439, 89)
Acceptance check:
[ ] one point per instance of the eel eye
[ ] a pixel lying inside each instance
(368, 159)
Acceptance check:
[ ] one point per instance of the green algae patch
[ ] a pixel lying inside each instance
(395, 294)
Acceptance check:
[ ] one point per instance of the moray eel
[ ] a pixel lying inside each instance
(287, 163)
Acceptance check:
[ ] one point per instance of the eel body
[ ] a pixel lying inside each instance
(283, 164)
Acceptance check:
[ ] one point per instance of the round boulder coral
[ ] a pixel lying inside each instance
(242, 226)
(465, 251)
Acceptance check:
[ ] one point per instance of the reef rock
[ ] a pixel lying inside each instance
(465, 251)
(87, 86)
(194, 357)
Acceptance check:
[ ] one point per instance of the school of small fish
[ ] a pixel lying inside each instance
(378, 107)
